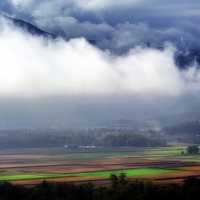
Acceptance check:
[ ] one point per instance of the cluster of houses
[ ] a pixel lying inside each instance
(74, 147)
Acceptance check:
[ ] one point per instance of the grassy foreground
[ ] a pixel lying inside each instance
(29, 176)
(136, 172)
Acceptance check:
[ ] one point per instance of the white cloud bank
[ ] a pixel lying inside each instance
(33, 66)
(21, 3)
(84, 4)
(102, 4)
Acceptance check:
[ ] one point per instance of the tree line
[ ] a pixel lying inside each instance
(120, 189)
(97, 137)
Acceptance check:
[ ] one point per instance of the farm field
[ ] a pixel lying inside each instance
(136, 172)
(58, 164)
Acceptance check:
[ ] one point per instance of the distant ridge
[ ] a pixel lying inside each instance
(27, 26)
(184, 58)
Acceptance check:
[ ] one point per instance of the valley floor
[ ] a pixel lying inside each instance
(31, 166)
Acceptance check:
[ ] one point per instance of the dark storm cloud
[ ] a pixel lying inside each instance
(107, 22)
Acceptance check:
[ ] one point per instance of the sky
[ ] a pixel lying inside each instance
(117, 26)
(128, 71)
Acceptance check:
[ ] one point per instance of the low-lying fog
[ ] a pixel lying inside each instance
(57, 83)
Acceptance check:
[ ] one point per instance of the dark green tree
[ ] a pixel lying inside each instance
(193, 149)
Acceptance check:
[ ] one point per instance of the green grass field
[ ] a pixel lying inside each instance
(136, 172)
(28, 176)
